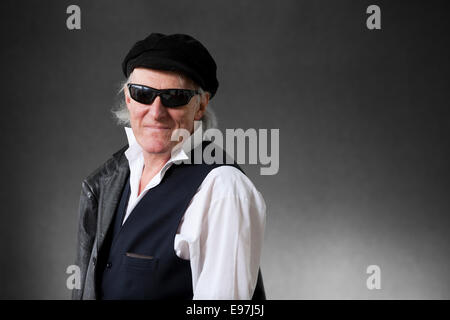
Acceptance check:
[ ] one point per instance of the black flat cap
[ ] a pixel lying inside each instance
(175, 52)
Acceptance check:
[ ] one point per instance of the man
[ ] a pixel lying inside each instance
(152, 224)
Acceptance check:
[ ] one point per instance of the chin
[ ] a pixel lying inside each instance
(153, 143)
(157, 147)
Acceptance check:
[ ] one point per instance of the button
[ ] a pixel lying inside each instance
(109, 265)
(89, 194)
(94, 260)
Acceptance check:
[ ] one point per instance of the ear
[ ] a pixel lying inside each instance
(202, 106)
(127, 96)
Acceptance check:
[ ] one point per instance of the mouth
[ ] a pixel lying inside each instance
(156, 128)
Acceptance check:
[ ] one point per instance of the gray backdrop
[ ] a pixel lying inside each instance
(364, 134)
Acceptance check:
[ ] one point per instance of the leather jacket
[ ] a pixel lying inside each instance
(100, 193)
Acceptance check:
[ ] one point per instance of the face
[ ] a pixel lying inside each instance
(153, 124)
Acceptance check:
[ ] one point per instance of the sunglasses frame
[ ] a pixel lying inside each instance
(188, 92)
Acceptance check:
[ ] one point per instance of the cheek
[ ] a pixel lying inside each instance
(136, 113)
(186, 121)
(183, 117)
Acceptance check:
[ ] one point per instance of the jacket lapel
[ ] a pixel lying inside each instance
(112, 186)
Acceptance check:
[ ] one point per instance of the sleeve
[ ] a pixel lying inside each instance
(87, 225)
(230, 243)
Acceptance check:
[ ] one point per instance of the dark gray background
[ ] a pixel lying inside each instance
(364, 134)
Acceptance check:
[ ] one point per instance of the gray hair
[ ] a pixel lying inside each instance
(122, 115)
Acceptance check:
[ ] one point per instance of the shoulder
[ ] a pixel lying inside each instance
(228, 181)
(105, 170)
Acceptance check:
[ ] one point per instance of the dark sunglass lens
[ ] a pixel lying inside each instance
(175, 98)
(142, 94)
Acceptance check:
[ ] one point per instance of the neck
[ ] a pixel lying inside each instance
(153, 162)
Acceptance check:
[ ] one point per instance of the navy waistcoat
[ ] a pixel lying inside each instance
(137, 259)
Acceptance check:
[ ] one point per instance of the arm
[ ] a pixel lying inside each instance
(87, 225)
(224, 228)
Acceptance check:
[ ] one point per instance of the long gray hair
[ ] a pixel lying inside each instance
(122, 115)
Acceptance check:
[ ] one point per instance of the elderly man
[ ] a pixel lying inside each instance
(152, 226)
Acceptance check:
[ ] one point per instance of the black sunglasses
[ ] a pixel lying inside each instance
(169, 97)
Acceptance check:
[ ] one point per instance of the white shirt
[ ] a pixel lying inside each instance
(222, 230)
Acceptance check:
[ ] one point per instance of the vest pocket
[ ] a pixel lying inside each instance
(138, 256)
(139, 275)
(139, 262)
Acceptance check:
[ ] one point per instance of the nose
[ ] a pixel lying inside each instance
(157, 109)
